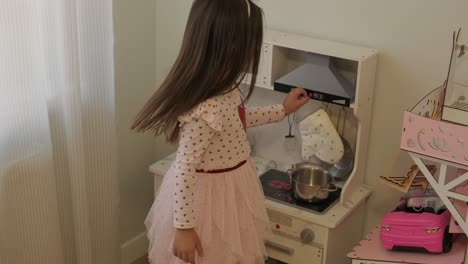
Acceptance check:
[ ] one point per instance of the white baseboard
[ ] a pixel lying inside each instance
(134, 248)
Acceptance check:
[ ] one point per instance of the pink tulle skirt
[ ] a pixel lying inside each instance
(231, 219)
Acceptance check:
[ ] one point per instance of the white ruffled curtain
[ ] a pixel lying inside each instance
(58, 181)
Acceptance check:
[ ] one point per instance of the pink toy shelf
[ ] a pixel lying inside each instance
(435, 132)
(434, 138)
(371, 251)
(426, 134)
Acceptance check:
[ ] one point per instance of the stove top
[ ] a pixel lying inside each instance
(276, 187)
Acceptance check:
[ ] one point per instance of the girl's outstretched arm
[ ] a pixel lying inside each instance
(260, 115)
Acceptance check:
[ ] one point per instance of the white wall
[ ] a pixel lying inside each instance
(135, 29)
(135, 71)
(413, 38)
(171, 17)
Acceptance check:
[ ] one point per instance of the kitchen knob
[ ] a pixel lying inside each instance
(307, 236)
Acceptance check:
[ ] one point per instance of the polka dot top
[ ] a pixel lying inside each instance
(213, 137)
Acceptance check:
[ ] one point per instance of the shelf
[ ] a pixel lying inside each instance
(319, 46)
(447, 190)
(284, 53)
(456, 114)
(427, 139)
(441, 140)
(443, 144)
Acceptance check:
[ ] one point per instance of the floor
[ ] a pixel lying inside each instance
(142, 260)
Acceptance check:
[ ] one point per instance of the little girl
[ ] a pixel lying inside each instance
(210, 206)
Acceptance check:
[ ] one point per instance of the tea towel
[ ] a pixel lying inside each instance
(320, 138)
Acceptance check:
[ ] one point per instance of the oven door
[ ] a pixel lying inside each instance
(293, 252)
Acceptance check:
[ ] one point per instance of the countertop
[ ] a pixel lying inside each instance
(331, 219)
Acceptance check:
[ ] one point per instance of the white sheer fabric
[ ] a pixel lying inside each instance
(58, 183)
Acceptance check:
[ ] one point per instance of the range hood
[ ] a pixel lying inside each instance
(320, 77)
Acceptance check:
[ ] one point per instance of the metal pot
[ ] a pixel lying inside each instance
(311, 182)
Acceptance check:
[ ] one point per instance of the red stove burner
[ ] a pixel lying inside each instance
(277, 187)
(279, 184)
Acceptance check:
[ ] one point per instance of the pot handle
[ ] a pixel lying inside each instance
(332, 189)
(290, 172)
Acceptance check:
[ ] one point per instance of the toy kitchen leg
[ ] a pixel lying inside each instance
(460, 205)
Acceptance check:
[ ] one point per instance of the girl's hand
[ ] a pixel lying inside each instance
(295, 100)
(185, 244)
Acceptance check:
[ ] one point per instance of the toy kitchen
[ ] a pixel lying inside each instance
(324, 227)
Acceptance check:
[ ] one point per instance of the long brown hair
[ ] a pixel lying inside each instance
(222, 41)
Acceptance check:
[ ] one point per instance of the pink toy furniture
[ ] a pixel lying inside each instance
(427, 139)
(435, 131)
(460, 205)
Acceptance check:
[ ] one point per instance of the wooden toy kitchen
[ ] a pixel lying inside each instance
(341, 80)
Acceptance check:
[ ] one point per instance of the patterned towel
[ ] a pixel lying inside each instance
(320, 138)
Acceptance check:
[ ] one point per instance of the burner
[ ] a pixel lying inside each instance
(277, 184)
(279, 195)
(276, 187)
